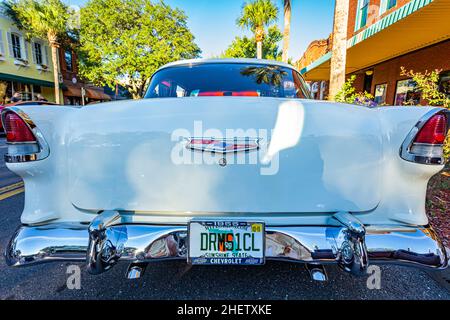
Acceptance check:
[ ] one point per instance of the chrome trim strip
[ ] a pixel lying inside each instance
(405, 149)
(411, 246)
(44, 150)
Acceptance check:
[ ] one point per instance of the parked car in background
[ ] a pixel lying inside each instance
(226, 162)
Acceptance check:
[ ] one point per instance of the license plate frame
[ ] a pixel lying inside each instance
(229, 223)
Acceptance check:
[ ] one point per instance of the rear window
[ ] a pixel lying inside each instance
(227, 79)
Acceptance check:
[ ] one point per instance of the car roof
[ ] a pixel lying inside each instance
(227, 60)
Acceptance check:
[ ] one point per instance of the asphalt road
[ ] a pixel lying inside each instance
(175, 280)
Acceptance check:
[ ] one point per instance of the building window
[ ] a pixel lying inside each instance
(363, 12)
(406, 93)
(68, 59)
(16, 46)
(386, 5)
(391, 4)
(38, 53)
(380, 93)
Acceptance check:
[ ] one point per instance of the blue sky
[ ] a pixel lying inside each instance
(213, 22)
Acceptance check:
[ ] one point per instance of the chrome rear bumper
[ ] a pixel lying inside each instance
(345, 242)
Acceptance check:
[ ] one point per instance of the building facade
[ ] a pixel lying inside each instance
(382, 37)
(76, 91)
(25, 66)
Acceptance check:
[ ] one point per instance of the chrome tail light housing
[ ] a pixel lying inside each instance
(24, 140)
(424, 143)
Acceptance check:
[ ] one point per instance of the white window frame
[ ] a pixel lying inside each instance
(46, 56)
(34, 52)
(24, 55)
(2, 45)
(14, 47)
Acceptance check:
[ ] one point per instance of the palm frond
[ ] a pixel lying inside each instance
(258, 14)
(38, 18)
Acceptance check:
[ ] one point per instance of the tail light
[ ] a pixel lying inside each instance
(25, 142)
(425, 142)
(434, 130)
(17, 131)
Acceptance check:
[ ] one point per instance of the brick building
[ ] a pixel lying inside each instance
(383, 36)
(74, 88)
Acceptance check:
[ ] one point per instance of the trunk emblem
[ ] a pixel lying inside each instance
(219, 145)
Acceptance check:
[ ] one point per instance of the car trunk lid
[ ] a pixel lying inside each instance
(313, 156)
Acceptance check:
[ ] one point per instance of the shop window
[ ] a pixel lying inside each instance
(380, 93)
(16, 46)
(28, 92)
(37, 52)
(315, 90)
(406, 93)
(444, 83)
(68, 59)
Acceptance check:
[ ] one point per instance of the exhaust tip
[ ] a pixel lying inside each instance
(136, 270)
(317, 272)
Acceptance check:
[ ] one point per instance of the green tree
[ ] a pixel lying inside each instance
(244, 47)
(47, 19)
(126, 41)
(256, 16)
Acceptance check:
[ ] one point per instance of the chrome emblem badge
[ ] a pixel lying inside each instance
(217, 145)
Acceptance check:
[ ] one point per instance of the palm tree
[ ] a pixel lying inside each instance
(287, 29)
(339, 49)
(256, 16)
(41, 19)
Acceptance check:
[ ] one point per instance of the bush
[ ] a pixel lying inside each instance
(348, 94)
(427, 84)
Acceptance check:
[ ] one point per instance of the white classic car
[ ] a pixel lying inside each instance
(226, 162)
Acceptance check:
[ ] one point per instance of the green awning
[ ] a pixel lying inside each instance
(37, 82)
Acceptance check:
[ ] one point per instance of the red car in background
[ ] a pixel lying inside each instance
(23, 103)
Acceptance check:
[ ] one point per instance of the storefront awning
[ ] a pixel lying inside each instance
(25, 80)
(416, 25)
(97, 95)
(72, 91)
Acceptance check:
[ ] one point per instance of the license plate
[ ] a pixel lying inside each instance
(226, 242)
